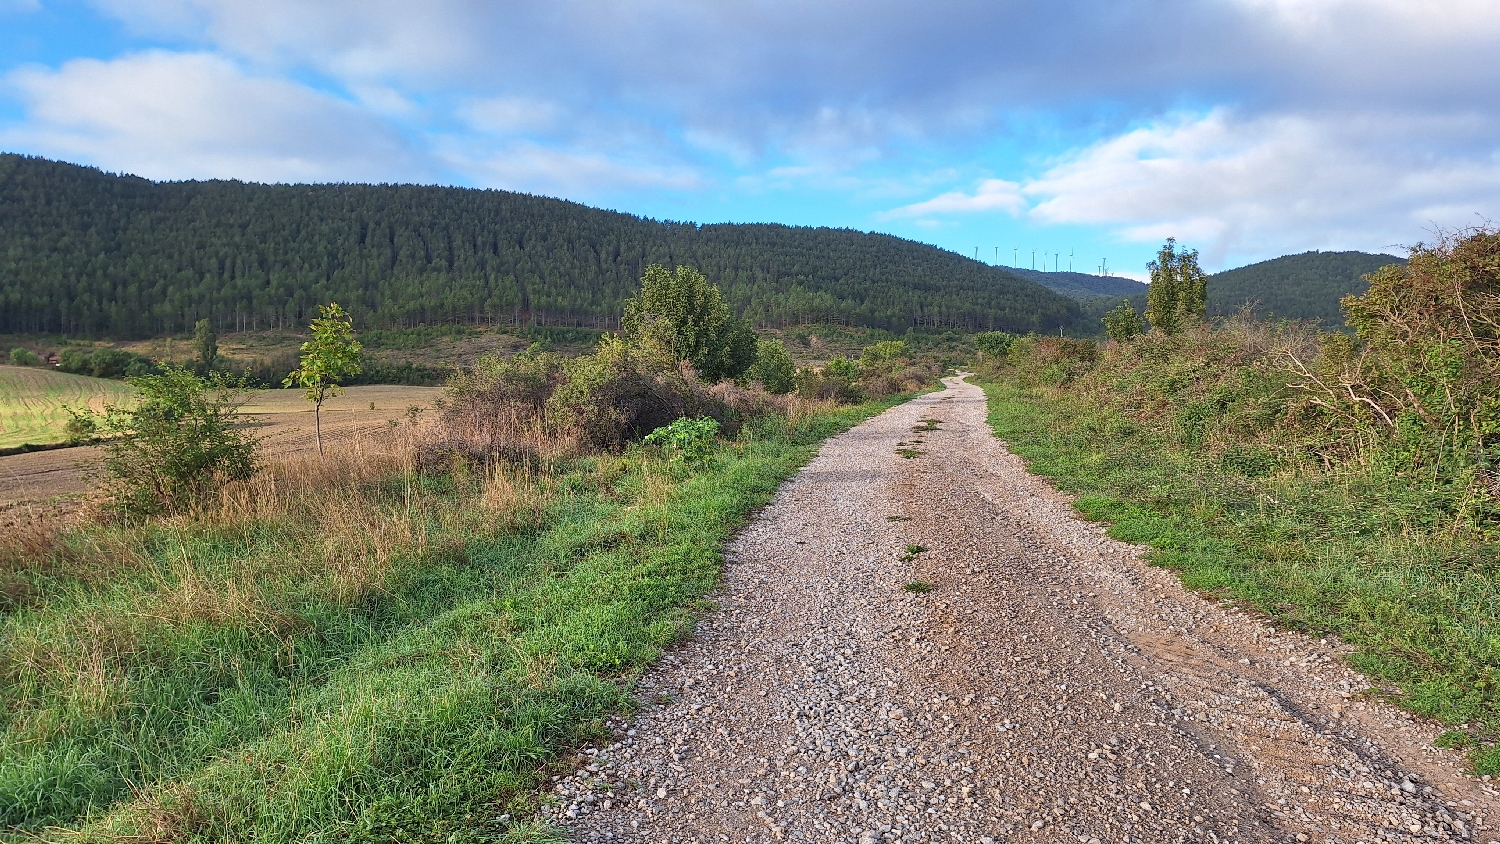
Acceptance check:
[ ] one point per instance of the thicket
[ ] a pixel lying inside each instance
(393, 642)
(1341, 483)
(89, 254)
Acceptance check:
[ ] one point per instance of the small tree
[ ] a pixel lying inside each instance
(176, 444)
(1179, 289)
(206, 342)
(686, 312)
(327, 359)
(773, 367)
(1123, 323)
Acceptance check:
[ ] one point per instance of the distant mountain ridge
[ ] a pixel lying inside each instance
(1305, 286)
(88, 253)
(1082, 285)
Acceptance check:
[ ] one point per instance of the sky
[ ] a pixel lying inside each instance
(1077, 133)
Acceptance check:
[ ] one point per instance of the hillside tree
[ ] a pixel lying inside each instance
(331, 356)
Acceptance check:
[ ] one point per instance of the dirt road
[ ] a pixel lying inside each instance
(1049, 687)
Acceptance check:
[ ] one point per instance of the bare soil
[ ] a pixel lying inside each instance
(1050, 686)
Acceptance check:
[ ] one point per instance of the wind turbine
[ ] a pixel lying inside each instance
(997, 256)
(1070, 260)
(1033, 259)
(1015, 259)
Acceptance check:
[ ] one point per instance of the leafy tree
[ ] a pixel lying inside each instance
(1123, 323)
(24, 357)
(331, 356)
(686, 313)
(773, 367)
(994, 344)
(176, 444)
(1179, 289)
(206, 342)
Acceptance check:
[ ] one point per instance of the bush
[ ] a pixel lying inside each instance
(623, 391)
(496, 408)
(105, 363)
(882, 353)
(24, 357)
(773, 367)
(177, 444)
(686, 440)
(1123, 323)
(994, 345)
(835, 385)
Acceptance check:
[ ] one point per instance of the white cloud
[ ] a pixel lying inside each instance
(173, 115)
(1271, 184)
(991, 195)
(510, 115)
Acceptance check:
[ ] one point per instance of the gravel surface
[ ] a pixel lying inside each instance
(1048, 686)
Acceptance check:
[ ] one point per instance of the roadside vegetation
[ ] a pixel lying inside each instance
(1343, 484)
(395, 640)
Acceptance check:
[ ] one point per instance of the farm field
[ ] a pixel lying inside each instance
(32, 402)
(284, 417)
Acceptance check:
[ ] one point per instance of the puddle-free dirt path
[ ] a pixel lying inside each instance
(1049, 687)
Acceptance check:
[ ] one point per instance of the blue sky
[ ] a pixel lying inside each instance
(1245, 128)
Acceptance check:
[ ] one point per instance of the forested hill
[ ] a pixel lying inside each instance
(1306, 286)
(1083, 285)
(83, 252)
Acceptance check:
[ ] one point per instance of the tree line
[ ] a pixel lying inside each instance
(87, 253)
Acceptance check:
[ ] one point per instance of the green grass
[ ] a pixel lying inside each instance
(32, 401)
(282, 706)
(1350, 555)
(918, 586)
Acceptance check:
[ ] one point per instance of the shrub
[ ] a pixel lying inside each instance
(686, 440)
(179, 442)
(623, 391)
(833, 383)
(1123, 323)
(994, 344)
(841, 367)
(105, 363)
(884, 352)
(24, 357)
(1053, 361)
(773, 367)
(496, 408)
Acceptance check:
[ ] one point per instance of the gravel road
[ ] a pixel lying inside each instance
(1049, 686)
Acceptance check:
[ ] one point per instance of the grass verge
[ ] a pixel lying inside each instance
(1350, 554)
(402, 669)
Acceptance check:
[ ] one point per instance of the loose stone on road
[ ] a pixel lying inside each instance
(1049, 687)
